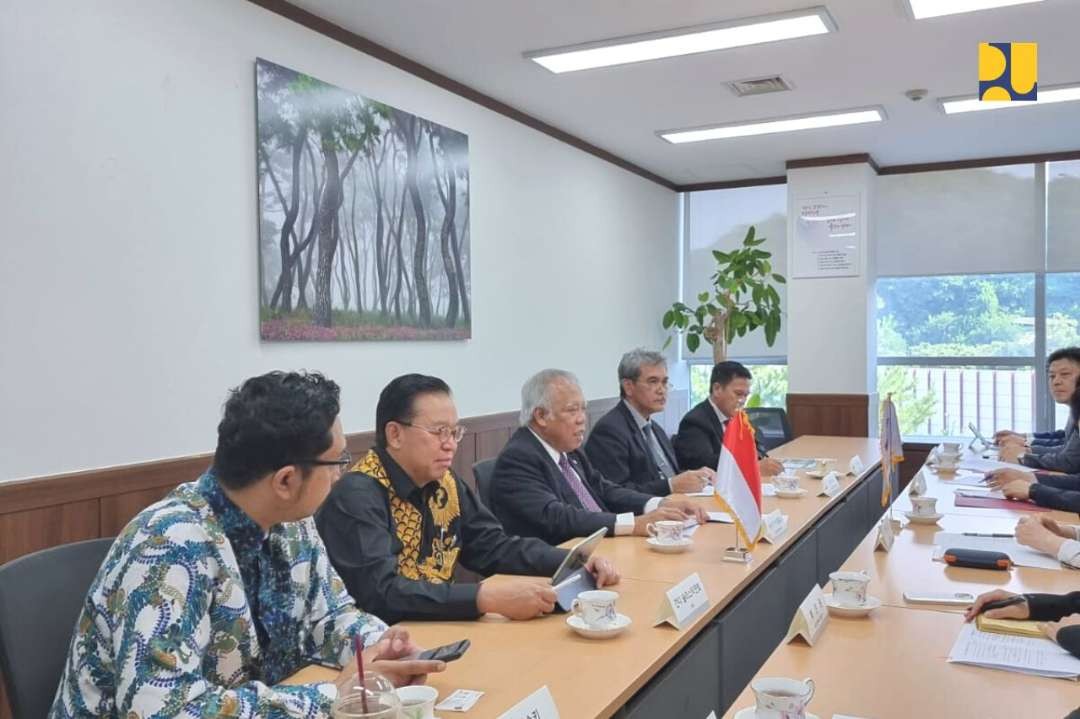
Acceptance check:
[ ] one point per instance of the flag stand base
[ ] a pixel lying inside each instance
(737, 554)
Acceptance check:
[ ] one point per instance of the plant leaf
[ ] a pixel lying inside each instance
(693, 342)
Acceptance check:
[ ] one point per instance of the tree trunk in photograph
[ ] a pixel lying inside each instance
(445, 240)
(717, 332)
(420, 253)
(327, 241)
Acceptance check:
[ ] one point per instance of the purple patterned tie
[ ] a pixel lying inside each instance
(577, 485)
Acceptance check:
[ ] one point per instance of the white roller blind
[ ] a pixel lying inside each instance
(978, 221)
(718, 220)
(1063, 216)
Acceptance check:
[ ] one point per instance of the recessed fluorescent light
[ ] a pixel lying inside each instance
(935, 8)
(686, 41)
(767, 127)
(1047, 96)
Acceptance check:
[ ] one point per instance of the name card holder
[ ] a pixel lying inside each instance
(856, 466)
(830, 485)
(538, 705)
(885, 535)
(774, 526)
(810, 618)
(917, 488)
(683, 603)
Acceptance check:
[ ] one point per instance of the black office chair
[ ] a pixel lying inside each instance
(41, 595)
(771, 424)
(482, 472)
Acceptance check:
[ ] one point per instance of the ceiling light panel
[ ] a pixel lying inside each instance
(1047, 96)
(686, 41)
(768, 127)
(935, 8)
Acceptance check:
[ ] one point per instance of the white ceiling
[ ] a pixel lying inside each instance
(878, 53)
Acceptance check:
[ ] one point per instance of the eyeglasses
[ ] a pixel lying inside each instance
(343, 463)
(444, 433)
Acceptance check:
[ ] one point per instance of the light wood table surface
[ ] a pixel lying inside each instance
(595, 678)
(893, 663)
(892, 666)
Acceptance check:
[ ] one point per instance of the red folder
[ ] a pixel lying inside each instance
(995, 503)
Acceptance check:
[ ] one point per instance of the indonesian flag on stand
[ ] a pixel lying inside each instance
(892, 447)
(738, 480)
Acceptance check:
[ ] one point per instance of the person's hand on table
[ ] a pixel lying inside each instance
(770, 467)
(1013, 611)
(603, 570)
(1011, 452)
(691, 481)
(1042, 533)
(394, 656)
(1051, 629)
(517, 599)
(1003, 436)
(1000, 477)
(688, 507)
(1017, 490)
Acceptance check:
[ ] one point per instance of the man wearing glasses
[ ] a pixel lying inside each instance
(398, 524)
(627, 447)
(219, 600)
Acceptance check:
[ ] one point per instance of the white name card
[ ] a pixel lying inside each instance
(538, 705)
(885, 535)
(774, 526)
(768, 489)
(830, 485)
(810, 618)
(683, 603)
(856, 466)
(918, 485)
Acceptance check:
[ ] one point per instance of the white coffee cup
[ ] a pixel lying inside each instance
(667, 531)
(850, 587)
(948, 462)
(781, 698)
(950, 448)
(822, 464)
(418, 702)
(786, 482)
(924, 506)
(596, 608)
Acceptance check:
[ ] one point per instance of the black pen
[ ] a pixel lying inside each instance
(1002, 603)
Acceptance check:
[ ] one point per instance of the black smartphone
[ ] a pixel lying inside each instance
(447, 652)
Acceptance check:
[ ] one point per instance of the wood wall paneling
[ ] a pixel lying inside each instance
(118, 509)
(835, 415)
(29, 531)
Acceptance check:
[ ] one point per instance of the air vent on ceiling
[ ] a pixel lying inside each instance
(759, 85)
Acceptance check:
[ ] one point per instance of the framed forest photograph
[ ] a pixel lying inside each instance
(363, 216)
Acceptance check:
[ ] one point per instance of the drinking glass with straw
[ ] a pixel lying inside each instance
(366, 695)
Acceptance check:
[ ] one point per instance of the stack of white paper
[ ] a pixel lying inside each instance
(977, 464)
(1019, 554)
(1026, 655)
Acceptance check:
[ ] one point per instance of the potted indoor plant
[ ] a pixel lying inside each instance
(742, 299)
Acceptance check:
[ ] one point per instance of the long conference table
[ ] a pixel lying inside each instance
(891, 664)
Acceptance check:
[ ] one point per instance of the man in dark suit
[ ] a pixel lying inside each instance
(701, 432)
(630, 449)
(544, 486)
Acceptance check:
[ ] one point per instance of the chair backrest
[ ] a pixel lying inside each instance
(482, 472)
(772, 425)
(41, 595)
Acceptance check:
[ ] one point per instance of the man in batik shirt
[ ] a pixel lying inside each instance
(211, 601)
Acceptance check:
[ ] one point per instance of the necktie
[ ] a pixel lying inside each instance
(658, 452)
(578, 487)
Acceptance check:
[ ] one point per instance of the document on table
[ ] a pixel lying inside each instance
(1026, 655)
(987, 492)
(977, 464)
(720, 517)
(707, 492)
(1019, 554)
(796, 464)
(967, 479)
(768, 489)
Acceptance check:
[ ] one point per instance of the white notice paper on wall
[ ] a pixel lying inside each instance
(538, 705)
(826, 237)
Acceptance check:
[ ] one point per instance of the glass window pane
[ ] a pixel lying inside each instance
(956, 316)
(941, 401)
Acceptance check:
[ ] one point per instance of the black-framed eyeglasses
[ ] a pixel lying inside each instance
(444, 433)
(342, 463)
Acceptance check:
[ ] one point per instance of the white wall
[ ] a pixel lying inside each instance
(129, 282)
(832, 348)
